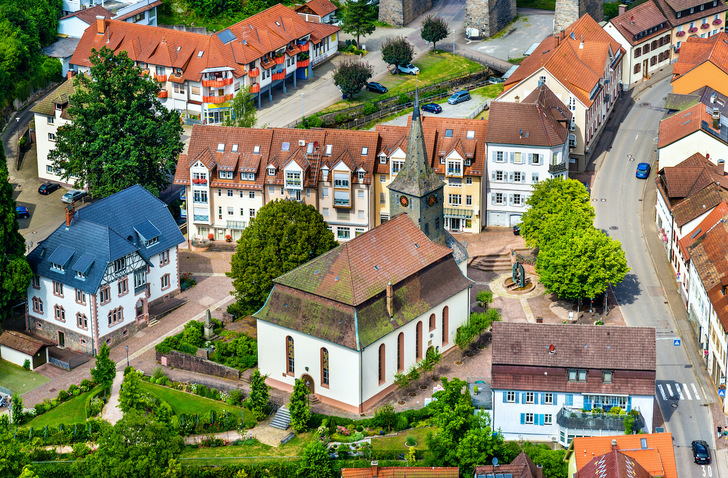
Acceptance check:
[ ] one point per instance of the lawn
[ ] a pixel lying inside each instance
(188, 403)
(540, 4)
(247, 451)
(434, 67)
(396, 443)
(18, 379)
(70, 411)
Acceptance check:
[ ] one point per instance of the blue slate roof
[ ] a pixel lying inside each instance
(103, 232)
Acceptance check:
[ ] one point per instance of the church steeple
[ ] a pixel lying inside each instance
(418, 190)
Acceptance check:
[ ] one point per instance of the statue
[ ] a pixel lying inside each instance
(208, 327)
(519, 275)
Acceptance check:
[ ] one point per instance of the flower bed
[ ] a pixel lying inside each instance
(680, 33)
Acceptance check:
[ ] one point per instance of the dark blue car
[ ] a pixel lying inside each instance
(432, 108)
(643, 171)
(22, 212)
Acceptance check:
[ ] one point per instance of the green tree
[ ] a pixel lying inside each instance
(15, 273)
(359, 18)
(581, 265)
(259, 394)
(105, 369)
(397, 51)
(547, 200)
(12, 456)
(315, 462)
(298, 407)
(552, 461)
(351, 76)
(17, 411)
(131, 396)
(121, 134)
(411, 456)
(134, 446)
(283, 235)
(484, 298)
(433, 30)
(28, 472)
(385, 417)
(243, 109)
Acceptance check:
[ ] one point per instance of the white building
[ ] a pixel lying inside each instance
(527, 142)
(49, 114)
(96, 276)
(701, 128)
(548, 379)
(136, 11)
(143, 12)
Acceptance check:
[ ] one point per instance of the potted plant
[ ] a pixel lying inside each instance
(680, 33)
(211, 237)
(228, 238)
(475, 389)
(717, 21)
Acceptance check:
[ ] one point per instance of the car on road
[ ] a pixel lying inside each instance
(432, 108)
(409, 69)
(47, 188)
(701, 452)
(376, 87)
(22, 212)
(459, 97)
(73, 195)
(643, 171)
(494, 79)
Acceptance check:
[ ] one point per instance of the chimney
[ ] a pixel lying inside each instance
(69, 214)
(712, 98)
(100, 24)
(622, 8)
(721, 167)
(716, 118)
(517, 99)
(631, 19)
(581, 44)
(390, 300)
(69, 74)
(556, 38)
(614, 444)
(375, 469)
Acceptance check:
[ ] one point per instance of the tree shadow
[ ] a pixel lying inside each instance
(628, 290)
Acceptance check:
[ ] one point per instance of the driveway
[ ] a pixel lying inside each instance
(531, 27)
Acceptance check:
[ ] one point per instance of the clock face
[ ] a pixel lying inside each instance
(404, 201)
(431, 200)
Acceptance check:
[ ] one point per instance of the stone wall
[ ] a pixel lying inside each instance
(569, 11)
(489, 16)
(197, 364)
(401, 12)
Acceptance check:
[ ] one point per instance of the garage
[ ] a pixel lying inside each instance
(515, 220)
(17, 348)
(498, 219)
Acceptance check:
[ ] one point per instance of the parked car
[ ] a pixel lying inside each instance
(701, 452)
(409, 69)
(432, 108)
(459, 97)
(376, 87)
(643, 171)
(47, 188)
(73, 195)
(22, 212)
(494, 79)
(516, 230)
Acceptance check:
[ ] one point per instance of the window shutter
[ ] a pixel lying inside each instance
(535, 398)
(510, 176)
(629, 404)
(530, 158)
(540, 419)
(505, 397)
(510, 199)
(516, 394)
(492, 176)
(523, 177)
(556, 402)
(493, 156)
(492, 199)
(569, 400)
(513, 156)
(523, 418)
(543, 398)
(523, 397)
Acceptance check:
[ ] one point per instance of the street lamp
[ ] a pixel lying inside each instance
(17, 122)
(127, 355)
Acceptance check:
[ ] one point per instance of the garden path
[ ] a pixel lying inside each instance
(112, 413)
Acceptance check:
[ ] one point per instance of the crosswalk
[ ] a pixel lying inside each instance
(677, 391)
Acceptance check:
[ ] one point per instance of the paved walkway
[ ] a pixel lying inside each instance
(112, 412)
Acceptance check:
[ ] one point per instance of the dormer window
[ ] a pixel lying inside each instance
(325, 174)
(220, 147)
(360, 175)
(226, 174)
(271, 171)
(382, 159)
(80, 275)
(397, 165)
(120, 264)
(328, 149)
(235, 148)
(151, 242)
(293, 179)
(341, 180)
(57, 267)
(256, 149)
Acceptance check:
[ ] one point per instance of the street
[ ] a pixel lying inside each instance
(625, 213)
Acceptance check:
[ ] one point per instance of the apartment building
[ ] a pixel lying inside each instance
(692, 19)
(230, 173)
(527, 143)
(702, 62)
(199, 74)
(143, 12)
(456, 150)
(582, 65)
(49, 114)
(644, 33)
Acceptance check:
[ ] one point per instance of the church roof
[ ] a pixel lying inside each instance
(416, 178)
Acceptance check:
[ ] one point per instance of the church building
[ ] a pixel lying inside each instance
(346, 322)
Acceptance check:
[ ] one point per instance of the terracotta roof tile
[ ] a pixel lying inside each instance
(682, 124)
(689, 177)
(658, 458)
(695, 51)
(400, 472)
(710, 258)
(88, 15)
(22, 343)
(715, 216)
(521, 467)
(613, 464)
(698, 204)
(639, 19)
(318, 7)
(670, 7)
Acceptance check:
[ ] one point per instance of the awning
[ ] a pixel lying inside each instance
(451, 212)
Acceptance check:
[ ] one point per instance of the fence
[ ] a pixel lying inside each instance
(60, 363)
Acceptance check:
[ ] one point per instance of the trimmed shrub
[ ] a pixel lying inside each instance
(62, 396)
(403, 99)
(370, 108)
(80, 450)
(26, 364)
(235, 397)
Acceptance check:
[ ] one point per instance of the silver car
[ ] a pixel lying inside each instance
(73, 195)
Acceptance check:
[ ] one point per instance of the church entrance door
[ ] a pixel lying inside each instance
(308, 381)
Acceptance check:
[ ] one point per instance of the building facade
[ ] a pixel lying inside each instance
(692, 19)
(95, 277)
(49, 114)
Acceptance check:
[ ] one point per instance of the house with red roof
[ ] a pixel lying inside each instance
(322, 11)
(200, 74)
(141, 12)
(582, 66)
(702, 62)
(692, 19)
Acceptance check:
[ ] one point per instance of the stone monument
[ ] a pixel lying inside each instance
(569, 11)
(489, 16)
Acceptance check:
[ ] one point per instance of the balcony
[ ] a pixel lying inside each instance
(161, 78)
(295, 50)
(200, 181)
(293, 184)
(279, 60)
(255, 88)
(237, 225)
(557, 168)
(705, 26)
(162, 94)
(454, 172)
(217, 99)
(217, 83)
(253, 73)
(267, 63)
(342, 202)
(201, 218)
(303, 63)
(575, 419)
(278, 76)
(304, 46)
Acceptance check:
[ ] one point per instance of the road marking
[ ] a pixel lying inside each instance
(662, 392)
(695, 391)
(669, 390)
(635, 138)
(679, 391)
(687, 392)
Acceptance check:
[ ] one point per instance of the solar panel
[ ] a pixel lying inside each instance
(83, 264)
(226, 36)
(61, 255)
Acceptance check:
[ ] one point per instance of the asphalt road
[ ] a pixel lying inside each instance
(617, 197)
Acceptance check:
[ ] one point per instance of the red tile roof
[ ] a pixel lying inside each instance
(639, 19)
(318, 7)
(690, 176)
(21, 342)
(88, 15)
(715, 216)
(671, 7)
(613, 464)
(541, 119)
(521, 467)
(698, 204)
(695, 51)
(682, 124)
(579, 67)
(658, 458)
(400, 472)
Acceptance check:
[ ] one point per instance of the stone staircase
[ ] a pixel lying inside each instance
(152, 322)
(493, 262)
(282, 419)
(313, 399)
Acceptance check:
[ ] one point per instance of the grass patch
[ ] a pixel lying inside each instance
(18, 379)
(540, 4)
(248, 450)
(188, 403)
(396, 443)
(489, 91)
(70, 411)
(507, 29)
(516, 61)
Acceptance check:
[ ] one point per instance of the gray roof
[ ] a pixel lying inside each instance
(103, 232)
(678, 102)
(416, 178)
(63, 48)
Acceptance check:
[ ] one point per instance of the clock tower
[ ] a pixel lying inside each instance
(417, 190)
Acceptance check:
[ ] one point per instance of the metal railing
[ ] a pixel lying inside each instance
(60, 363)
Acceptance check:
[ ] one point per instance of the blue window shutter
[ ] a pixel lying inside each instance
(513, 156)
(540, 419)
(556, 395)
(516, 394)
(535, 398)
(543, 398)
(569, 400)
(505, 397)
(629, 404)
(523, 418)
(523, 397)
(493, 156)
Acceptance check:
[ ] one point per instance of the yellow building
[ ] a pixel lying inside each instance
(702, 62)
